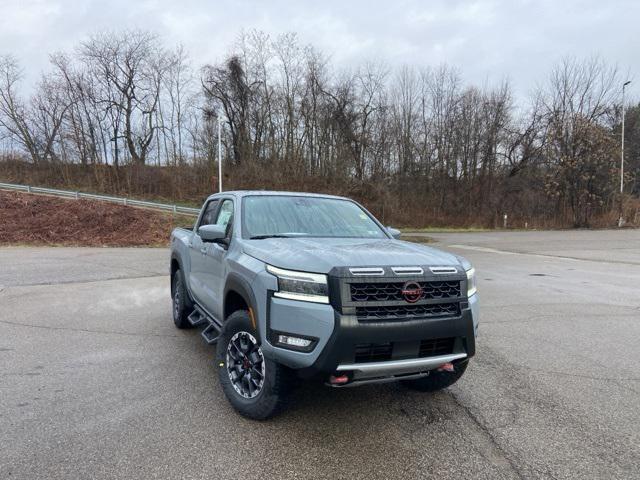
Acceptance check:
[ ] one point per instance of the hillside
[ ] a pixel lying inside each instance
(40, 220)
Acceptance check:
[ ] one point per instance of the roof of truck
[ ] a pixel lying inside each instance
(245, 193)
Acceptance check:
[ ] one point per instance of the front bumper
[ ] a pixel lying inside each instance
(396, 368)
(339, 336)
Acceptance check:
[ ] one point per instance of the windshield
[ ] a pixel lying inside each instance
(296, 216)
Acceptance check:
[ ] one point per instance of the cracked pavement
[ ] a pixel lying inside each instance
(95, 382)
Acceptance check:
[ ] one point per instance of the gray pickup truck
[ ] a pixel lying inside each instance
(296, 285)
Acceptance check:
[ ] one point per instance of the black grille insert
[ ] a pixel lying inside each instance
(392, 291)
(436, 346)
(383, 352)
(407, 312)
(373, 352)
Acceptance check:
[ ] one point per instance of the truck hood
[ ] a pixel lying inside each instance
(322, 254)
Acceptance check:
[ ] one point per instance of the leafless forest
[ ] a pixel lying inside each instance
(124, 113)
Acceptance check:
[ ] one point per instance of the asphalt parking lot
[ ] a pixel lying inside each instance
(97, 383)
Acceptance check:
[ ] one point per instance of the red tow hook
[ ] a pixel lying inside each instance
(446, 367)
(339, 380)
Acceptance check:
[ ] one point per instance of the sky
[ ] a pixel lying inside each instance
(488, 40)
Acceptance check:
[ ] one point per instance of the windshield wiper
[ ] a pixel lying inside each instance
(275, 235)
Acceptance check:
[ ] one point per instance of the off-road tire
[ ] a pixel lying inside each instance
(437, 380)
(181, 306)
(276, 386)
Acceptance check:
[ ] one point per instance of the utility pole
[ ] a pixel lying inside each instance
(219, 152)
(621, 219)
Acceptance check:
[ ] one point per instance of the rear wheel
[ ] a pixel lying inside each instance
(180, 303)
(437, 380)
(256, 387)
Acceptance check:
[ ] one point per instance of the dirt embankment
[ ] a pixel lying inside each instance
(41, 220)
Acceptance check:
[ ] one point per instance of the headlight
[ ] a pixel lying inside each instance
(471, 282)
(308, 287)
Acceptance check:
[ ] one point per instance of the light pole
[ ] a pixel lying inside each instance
(621, 219)
(219, 152)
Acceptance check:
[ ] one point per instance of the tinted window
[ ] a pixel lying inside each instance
(306, 216)
(208, 218)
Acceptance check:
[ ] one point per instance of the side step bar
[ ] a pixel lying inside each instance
(211, 332)
(197, 318)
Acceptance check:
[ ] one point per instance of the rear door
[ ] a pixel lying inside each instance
(214, 261)
(197, 252)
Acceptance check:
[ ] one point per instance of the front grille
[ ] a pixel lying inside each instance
(435, 347)
(373, 352)
(407, 312)
(392, 291)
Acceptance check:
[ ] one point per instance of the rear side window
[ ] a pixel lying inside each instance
(208, 218)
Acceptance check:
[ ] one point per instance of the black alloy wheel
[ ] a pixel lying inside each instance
(245, 365)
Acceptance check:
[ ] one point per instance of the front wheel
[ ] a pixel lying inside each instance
(256, 387)
(437, 380)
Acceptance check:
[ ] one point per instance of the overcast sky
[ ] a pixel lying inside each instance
(487, 39)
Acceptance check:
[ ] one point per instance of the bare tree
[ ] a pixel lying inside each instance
(226, 88)
(132, 115)
(578, 104)
(179, 84)
(128, 69)
(14, 114)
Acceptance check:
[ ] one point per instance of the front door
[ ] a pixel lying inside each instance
(214, 270)
(197, 253)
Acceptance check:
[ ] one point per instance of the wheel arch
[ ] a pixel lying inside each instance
(238, 295)
(175, 265)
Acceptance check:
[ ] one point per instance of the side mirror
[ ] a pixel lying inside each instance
(394, 232)
(212, 233)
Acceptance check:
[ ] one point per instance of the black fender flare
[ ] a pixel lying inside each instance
(238, 284)
(175, 256)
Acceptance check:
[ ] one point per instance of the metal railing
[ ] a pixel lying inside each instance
(106, 198)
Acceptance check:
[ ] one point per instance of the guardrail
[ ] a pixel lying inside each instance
(106, 198)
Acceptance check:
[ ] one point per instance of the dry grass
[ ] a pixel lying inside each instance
(40, 220)
(416, 239)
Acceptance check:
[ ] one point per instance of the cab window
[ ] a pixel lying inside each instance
(208, 218)
(225, 214)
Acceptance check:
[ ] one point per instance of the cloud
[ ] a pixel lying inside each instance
(488, 40)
